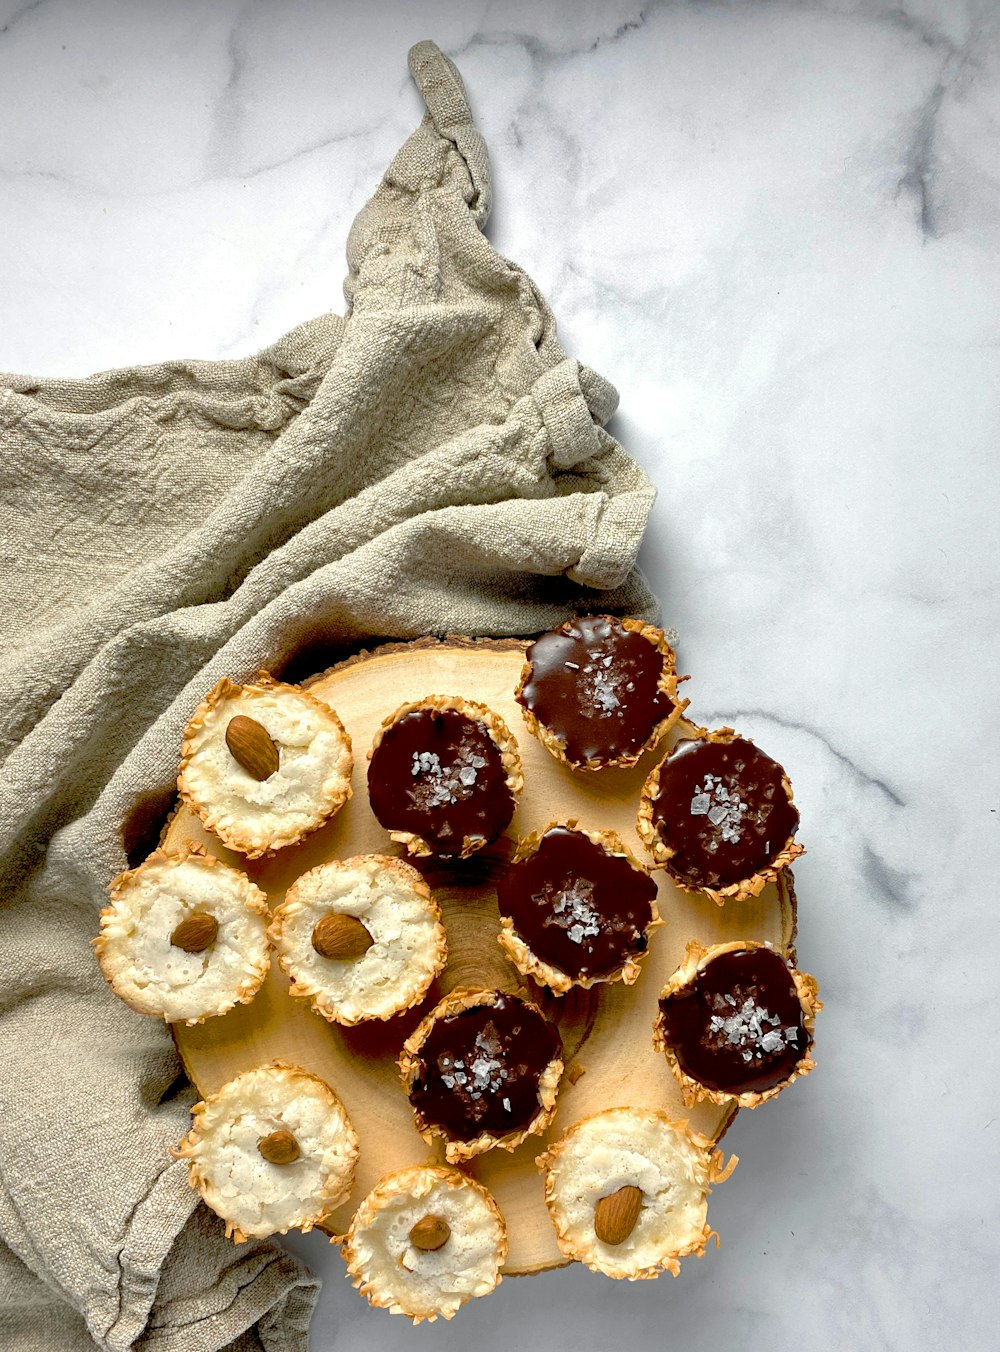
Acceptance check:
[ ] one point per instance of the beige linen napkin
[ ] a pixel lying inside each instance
(432, 462)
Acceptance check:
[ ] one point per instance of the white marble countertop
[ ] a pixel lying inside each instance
(776, 228)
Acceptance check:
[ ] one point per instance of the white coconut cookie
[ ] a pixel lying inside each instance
(627, 1190)
(360, 938)
(184, 937)
(263, 765)
(424, 1241)
(273, 1150)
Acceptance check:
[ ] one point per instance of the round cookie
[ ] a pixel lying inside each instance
(627, 1191)
(482, 1070)
(360, 938)
(272, 1151)
(444, 776)
(264, 764)
(718, 814)
(599, 690)
(736, 1023)
(576, 908)
(184, 937)
(424, 1241)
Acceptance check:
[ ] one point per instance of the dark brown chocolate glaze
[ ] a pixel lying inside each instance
(738, 1026)
(577, 906)
(595, 685)
(478, 1070)
(722, 807)
(439, 774)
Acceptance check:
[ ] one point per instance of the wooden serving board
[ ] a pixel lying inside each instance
(606, 1031)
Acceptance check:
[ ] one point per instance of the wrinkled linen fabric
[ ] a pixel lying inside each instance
(432, 462)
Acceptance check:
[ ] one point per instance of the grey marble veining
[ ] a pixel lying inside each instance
(776, 227)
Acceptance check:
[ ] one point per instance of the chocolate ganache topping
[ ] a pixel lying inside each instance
(738, 1025)
(578, 906)
(479, 1069)
(724, 811)
(439, 774)
(595, 685)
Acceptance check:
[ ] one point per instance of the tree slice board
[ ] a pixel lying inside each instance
(607, 1031)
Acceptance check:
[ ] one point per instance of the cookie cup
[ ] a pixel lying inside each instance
(528, 963)
(312, 781)
(393, 1274)
(632, 1148)
(693, 1091)
(409, 1068)
(253, 1195)
(744, 888)
(403, 921)
(151, 973)
(667, 685)
(499, 734)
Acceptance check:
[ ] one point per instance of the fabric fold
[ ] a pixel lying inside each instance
(432, 462)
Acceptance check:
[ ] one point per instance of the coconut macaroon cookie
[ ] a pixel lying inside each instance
(264, 764)
(482, 1070)
(627, 1190)
(598, 691)
(424, 1241)
(444, 776)
(576, 908)
(360, 938)
(272, 1151)
(736, 1023)
(184, 937)
(718, 814)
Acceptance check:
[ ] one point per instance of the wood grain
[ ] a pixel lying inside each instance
(606, 1031)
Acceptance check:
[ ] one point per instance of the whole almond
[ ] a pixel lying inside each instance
(280, 1147)
(430, 1233)
(251, 745)
(195, 932)
(615, 1215)
(340, 937)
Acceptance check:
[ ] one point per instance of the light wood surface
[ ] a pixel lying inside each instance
(606, 1031)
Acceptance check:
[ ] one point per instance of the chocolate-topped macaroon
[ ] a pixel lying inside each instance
(444, 776)
(599, 690)
(719, 815)
(576, 908)
(482, 1070)
(736, 1023)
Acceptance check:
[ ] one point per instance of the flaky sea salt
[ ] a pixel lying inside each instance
(604, 695)
(575, 908)
(602, 689)
(749, 1027)
(487, 1068)
(724, 809)
(439, 785)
